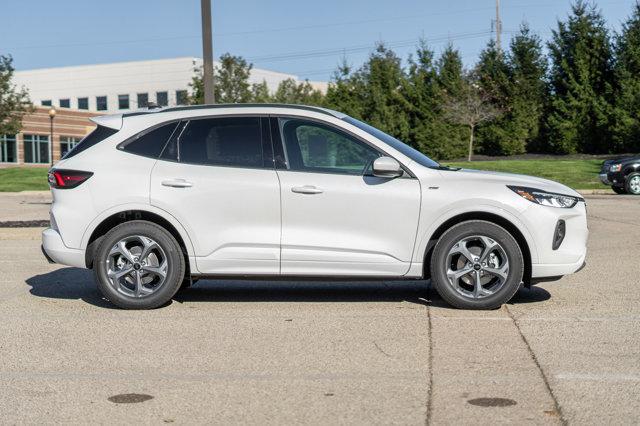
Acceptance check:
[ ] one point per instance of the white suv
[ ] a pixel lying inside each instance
(155, 199)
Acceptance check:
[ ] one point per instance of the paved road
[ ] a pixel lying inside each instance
(291, 352)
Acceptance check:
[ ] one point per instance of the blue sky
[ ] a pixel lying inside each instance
(307, 38)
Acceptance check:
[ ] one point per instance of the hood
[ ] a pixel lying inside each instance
(518, 180)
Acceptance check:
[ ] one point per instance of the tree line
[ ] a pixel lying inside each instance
(579, 95)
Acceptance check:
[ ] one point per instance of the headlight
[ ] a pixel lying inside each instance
(615, 168)
(546, 198)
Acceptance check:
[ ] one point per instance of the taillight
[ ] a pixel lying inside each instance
(67, 179)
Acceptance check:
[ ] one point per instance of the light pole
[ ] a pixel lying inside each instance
(52, 115)
(207, 51)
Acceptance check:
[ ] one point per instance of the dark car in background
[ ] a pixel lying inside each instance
(622, 174)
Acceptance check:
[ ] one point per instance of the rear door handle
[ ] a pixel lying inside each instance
(177, 183)
(306, 189)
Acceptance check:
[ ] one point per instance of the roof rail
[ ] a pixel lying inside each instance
(265, 105)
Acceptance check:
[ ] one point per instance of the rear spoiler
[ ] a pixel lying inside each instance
(113, 121)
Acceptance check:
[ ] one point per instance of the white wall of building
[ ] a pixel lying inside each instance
(124, 78)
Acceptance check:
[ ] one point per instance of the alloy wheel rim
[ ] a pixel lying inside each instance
(634, 184)
(477, 267)
(137, 266)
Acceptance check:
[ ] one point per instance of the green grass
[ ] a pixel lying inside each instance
(14, 179)
(577, 174)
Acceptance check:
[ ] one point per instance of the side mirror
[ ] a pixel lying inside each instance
(387, 167)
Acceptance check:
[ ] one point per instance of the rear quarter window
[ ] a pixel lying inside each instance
(98, 135)
(150, 142)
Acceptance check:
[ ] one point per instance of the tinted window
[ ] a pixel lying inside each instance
(162, 98)
(150, 143)
(315, 147)
(83, 103)
(181, 97)
(65, 103)
(233, 141)
(143, 100)
(46, 103)
(98, 135)
(101, 103)
(123, 101)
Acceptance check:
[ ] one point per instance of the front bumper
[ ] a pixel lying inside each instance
(557, 269)
(56, 252)
(604, 179)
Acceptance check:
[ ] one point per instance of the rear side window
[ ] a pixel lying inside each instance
(150, 143)
(227, 141)
(97, 136)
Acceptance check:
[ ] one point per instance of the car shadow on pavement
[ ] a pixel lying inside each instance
(77, 283)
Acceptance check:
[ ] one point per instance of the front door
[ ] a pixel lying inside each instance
(216, 177)
(338, 219)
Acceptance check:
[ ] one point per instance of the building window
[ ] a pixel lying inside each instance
(123, 101)
(143, 100)
(162, 98)
(83, 103)
(65, 103)
(66, 144)
(101, 103)
(46, 103)
(36, 149)
(8, 149)
(181, 97)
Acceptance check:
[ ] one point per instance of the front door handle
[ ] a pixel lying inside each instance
(307, 189)
(177, 183)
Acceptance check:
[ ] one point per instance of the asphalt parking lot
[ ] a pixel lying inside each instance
(294, 352)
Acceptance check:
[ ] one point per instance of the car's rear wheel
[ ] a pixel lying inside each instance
(633, 184)
(139, 265)
(477, 265)
(619, 190)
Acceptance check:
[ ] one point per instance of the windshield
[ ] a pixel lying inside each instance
(412, 153)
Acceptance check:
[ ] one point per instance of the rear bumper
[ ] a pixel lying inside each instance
(55, 251)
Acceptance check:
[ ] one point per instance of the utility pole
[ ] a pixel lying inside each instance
(207, 51)
(498, 26)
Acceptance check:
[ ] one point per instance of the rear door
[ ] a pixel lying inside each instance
(216, 176)
(338, 219)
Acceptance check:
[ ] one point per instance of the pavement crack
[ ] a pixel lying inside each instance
(429, 416)
(545, 379)
(381, 350)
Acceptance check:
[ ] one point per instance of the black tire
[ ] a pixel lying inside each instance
(628, 185)
(619, 190)
(472, 228)
(174, 274)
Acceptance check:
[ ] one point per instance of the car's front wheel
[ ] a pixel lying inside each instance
(477, 265)
(139, 265)
(633, 184)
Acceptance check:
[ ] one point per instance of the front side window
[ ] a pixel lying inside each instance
(83, 103)
(123, 101)
(65, 103)
(8, 149)
(36, 149)
(67, 143)
(101, 103)
(162, 98)
(227, 141)
(143, 100)
(316, 147)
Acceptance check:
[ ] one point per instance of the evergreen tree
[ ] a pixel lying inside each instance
(582, 83)
(14, 102)
(450, 138)
(260, 93)
(627, 127)
(383, 105)
(345, 92)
